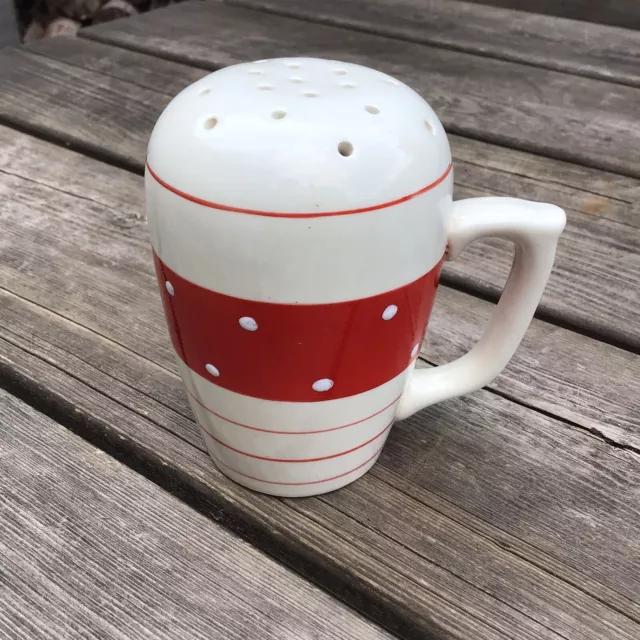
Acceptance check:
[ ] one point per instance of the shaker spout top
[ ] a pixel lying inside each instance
(298, 136)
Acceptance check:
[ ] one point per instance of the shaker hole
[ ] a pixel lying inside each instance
(428, 125)
(278, 115)
(345, 148)
(204, 92)
(371, 109)
(310, 94)
(293, 65)
(265, 87)
(296, 80)
(340, 72)
(209, 123)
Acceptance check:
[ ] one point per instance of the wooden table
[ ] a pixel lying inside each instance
(513, 512)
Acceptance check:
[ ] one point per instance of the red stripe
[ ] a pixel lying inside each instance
(304, 342)
(298, 484)
(299, 433)
(276, 214)
(335, 455)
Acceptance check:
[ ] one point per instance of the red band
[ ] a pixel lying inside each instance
(277, 214)
(353, 346)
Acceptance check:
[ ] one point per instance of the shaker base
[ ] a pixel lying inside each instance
(294, 490)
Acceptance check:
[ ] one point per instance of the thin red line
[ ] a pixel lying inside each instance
(335, 455)
(299, 433)
(275, 214)
(298, 484)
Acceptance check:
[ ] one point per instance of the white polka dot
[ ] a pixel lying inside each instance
(415, 349)
(169, 286)
(389, 312)
(248, 323)
(322, 385)
(212, 370)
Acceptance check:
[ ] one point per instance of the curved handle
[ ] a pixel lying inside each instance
(534, 228)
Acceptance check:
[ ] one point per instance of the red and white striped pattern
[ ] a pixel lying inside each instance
(250, 367)
(297, 283)
(290, 347)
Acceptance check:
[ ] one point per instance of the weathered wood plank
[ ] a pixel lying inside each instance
(168, 77)
(394, 593)
(92, 549)
(62, 100)
(430, 553)
(70, 103)
(9, 31)
(500, 170)
(572, 186)
(581, 48)
(539, 110)
(587, 273)
(96, 274)
(623, 13)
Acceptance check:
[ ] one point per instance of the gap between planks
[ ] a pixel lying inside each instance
(273, 531)
(217, 505)
(101, 545)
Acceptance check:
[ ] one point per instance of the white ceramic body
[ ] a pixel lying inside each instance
(252, 205)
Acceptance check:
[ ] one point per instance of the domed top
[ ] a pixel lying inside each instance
(298, 135)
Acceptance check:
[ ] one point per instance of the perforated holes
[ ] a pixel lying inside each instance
(278, 115)
(345, 148)
(371, 109)
(256, 72)
(296, 80)
(428, 126)
(294, 65)
(348, 85)
(391, 81)
(265, 87)
(310, 94)
(204, 92)
(340, 72)
(209, 123)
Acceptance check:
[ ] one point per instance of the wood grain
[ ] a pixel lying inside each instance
(92, 549)
(460, 552)
(167, 77)
(591, 191)
(580, 48)
(488, 492)
(407, 601)
(61, 100)
(555, 114)
(624, 13)
(423, 571)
